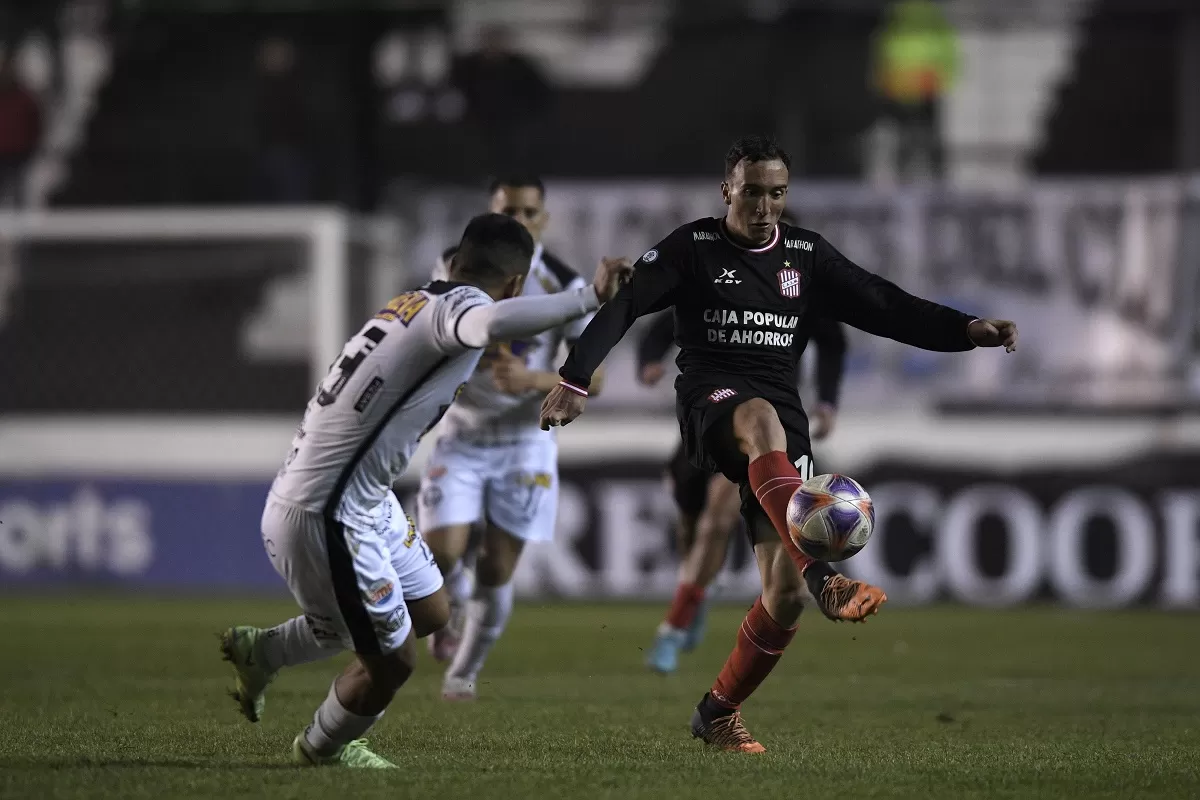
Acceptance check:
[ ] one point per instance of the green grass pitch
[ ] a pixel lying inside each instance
(110, 697)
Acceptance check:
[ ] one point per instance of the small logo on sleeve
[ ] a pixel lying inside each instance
(721, 394)
(651, 256)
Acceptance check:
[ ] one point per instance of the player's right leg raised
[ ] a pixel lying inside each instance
(774, 478)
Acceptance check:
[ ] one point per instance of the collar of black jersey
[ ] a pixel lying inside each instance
(776, 234)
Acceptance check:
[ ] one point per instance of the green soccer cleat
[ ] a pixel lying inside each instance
(354, 755)
(239, 646)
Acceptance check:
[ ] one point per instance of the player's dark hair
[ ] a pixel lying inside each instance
(518, 182)
(755, 148)
(494, 248)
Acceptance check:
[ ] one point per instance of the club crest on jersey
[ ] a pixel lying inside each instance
(651, 256)
(721, 394)
(789, 282)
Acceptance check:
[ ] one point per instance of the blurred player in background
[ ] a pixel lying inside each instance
(493, 466)
(332, 526)
(708, 504)
(744, 289)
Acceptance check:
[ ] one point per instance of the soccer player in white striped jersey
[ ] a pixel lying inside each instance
(332, 527)
(493, 467)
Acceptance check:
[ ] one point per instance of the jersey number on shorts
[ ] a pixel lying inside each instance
(804, 466)
(347, 364)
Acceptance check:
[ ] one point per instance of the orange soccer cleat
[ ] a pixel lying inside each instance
(727, 732)
(842, 599)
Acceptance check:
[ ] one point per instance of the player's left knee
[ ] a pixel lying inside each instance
(757, 427)
(495, 571)
(498, 561)
(389, 671)
(430, 614)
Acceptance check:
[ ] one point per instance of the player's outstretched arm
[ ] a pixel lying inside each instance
(876, 305)
(516, 317)
(659, 273)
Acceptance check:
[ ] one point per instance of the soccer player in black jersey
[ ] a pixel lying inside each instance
(742, 287)
(708, 504)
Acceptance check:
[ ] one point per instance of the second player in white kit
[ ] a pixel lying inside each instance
(492, 464)
(491, 460)
(332, 527)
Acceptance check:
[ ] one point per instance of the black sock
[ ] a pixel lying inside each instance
(815, 576)
(710, 709)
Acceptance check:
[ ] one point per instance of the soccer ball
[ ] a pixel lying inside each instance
(830, 517)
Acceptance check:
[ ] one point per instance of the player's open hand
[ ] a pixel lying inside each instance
(994, 333)
(509, 373)
(561, 406)
(611, 273)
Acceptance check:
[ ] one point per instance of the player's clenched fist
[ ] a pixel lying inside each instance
(562, 405)
(611, 273)
(993, 333)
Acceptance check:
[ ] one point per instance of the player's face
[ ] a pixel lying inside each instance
(756, 194)
(525, 204)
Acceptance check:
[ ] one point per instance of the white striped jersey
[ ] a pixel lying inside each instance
(392, 382)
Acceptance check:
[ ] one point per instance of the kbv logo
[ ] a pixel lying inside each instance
(727, 276)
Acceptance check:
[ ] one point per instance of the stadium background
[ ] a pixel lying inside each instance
(196, 228)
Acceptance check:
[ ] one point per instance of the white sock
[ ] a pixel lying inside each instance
(292, 644)
(487, 614)
(458, 585)
(333, 727)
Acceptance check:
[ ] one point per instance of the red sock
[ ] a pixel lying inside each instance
(760, 642)
(688, 597)
(774, 480)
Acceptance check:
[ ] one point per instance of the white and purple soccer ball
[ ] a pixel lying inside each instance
(831, 517)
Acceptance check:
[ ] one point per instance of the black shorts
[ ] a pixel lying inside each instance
(705, 414)
(689, 483)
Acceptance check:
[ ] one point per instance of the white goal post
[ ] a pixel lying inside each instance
(326, 232)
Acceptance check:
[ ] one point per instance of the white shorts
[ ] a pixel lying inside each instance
(513, 486)
(351, 584)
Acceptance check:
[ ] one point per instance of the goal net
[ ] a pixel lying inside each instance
(183, 310)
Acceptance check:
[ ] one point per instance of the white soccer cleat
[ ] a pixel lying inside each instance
(458, 689)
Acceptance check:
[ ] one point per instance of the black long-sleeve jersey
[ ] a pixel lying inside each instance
(744, 311)
(826, 333)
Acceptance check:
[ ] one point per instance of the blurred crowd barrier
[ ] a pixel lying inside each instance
(991, 511)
